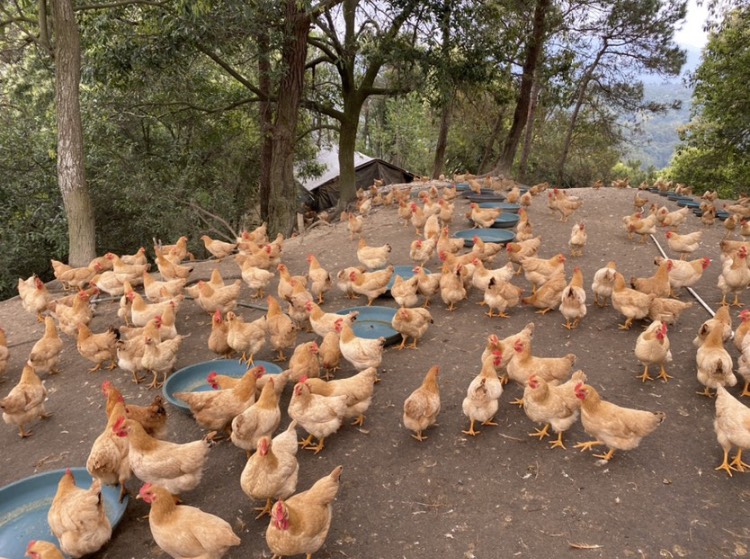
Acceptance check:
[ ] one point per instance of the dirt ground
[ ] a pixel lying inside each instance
(451, 495)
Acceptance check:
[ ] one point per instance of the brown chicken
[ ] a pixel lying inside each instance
(420, 251)
(281, 329)
(98, 348)
(77, 517)
(578, 238)
(252, 255)
(320, 416)
(485, 251)
(4, 352)
(153, 418)
(157, 291)
(322, 322)
(652, 348)
(320, 279)
(34, 296)
(25, 402)
(373, 257)
(501, 295)
(361, 353)
(554, 405)
(452, 289)
(714, 364)
(672, 219)
(539, 270)
(632, 304)
(71, 277)
(684, 273)
(722, 319)
(40, 549)
(260, 419)
(141, 312)
(372, 285)
(404, 292)
(215, 410)
(422, 406)
(735, 276)
(169, 270)
(658, 284)
(446, 243)
(358, 390)
(69, 317)
(271, 472)
(742, 329)
(524, 364)
(483, 217)
(287, 281)
(184, 531)
(176, 467)
(667, 311)
(45, 354)
(684, 244)
(304, 362)
(732, 427)
(246, 338)
(427, 284)
(519, 250)
(483, 394)
(132, 273)
(614, 426)
(549, 294)
(218, 249)
(355, 224)
(217, 340)
(411, 323)
(329, 353)
(256, 278)
(301, 523)
(108, 460)
(223, 299)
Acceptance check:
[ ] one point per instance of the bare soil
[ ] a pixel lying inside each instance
(501, 493)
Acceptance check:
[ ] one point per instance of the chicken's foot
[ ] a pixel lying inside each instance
(123, 492)
(419, 436)
(588, 445)
(725, 464)
(518, 402)
(736, 302)
(264, 510)
(568, 324)
(541, 433)
(544, 311)
(413, 344)
(318, 447)
(112, 365)
(737, 462)
(489, 423)
(321, 300)
(359, 421)
(645, 376)
(136, 378)
(746, 390)
(155, 383)
(304, 443)
(663, 374)
(403, 342)
(95, 369)
(627, 325)
(557, 443)
(23, 433)
(471, 432)
(607, 456)
(706, 392)
(280, 356)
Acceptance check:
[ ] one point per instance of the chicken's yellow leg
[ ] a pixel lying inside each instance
(541, 433)
(304, 443)
(607, 456)
(264, 510)
(663, 374)
(706, 392)
(588, 445)
(725, 464)
(645, 376)
(627, 325)
(419, 436)
(403, 341)
(737, 463)
(318, 447)
(736, 302)
(471, 430)
(557, 442)
(518, 402)
(746, 390)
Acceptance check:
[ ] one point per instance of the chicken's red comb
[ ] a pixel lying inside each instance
(106, 385)
(68, 472)
(211, 376)
(144, 489)
(303, 380)
(119, 422)
(30, 545)
(579, 386)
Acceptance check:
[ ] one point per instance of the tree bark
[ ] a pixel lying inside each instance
(529, 136)
(491, 142)
(442, 141)
(283, 196)
(265, 116)
(510, 147)
(347, 141)
(70, 161)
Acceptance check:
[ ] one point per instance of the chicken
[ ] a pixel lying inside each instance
(355, 224)
(132, 273)
(640, 225)
(604, 281)
(304, 362)
(320, 279)
(157, 291)
(257, 279)
(452, 288)
(520, 250)
(684, 244)
(372, 285)
(40, 549)
(573, 300)
(513, 195)
(422, 406)
(329, 352)
(744, 362)
(404, 212)
(735, 276)
(418, 217)
(358, 390)
(685, 273)
(108, 460)
(287, 282)
(658, 284)
(554, 405)
(714, 364)
(549, 295)
(524, 364)
(258, 420)
(45, 354)
(446, 243)
(667, 310)
(223, 299)
(632, 304)
(481, 401)
(373, 257)
(301, 523)
(486, 252)
(169, 270)
(482, 276)
(578, 238)
(214, 410)
(5, 353)
(252, 255)
(71, 277)
(411, 323)
(183, 531)
(483, 217)
(271, 473)
(639, 201)
(25, 401)
(732, 427)
(280, 327)
(361, 353)
(616, 427)
(567, 206)
(98, 348)
(427, 284)
(69, 317)
(176, 252)
(722, 319)
(218, 249)
(176, 467)
(322, 322)
(446, 210)
(247, 338)
(160, 357)
(673, 219)
(141, 312)
(652, 348)
(153, 418)
(538, 270)
(298, 306)
(420, 251)
(501, 295)
(319, 415)
(34, 296)
(404, 292)
(344, 281)
(77, 517)
(742, 330)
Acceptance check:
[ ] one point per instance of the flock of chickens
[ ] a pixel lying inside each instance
(247, 409)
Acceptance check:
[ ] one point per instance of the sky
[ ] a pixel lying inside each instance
(692, 34)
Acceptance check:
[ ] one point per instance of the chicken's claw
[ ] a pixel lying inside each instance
(607, 456)
(588, 445)
(725, 464)
(518, 402)
(737, 462)
(541, 433)
(663, 374)
(557, 443)
(706, 392)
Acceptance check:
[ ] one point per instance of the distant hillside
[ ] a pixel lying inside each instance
(654, 143)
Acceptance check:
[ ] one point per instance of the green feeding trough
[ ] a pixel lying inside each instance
(487, 235)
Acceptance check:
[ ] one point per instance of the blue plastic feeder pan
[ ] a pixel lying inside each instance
(493, 197)
(506, 220)
(505, 206)
(487, 235)
(374, 322)
(193, 377)
(406, 272)
(688, 204)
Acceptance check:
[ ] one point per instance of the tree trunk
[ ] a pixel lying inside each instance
(529, 136)
(347, 139)
(283, 197)
(491, 142)
(70, 162)
(265, 116)
(442, 141)
(524, 96)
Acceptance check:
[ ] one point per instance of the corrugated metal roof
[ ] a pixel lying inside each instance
(329, 157)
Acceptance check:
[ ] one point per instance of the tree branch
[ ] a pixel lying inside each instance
(221, 220)
(322, 7)
(117, 4)
(324, 109)
(44, 30)
(316, 128)
(231, 71)
(320, 45)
